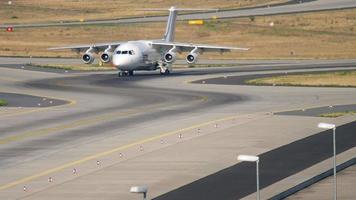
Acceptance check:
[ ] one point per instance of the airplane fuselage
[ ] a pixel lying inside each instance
(136, 55)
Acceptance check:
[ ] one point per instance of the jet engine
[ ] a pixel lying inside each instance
(170, 57)
(192, 58)
(106, 57)
(88, 57)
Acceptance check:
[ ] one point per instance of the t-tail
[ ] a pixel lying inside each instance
(172, 18)
(171, 25)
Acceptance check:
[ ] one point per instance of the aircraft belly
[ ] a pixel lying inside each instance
(141, 66)
(147, 67)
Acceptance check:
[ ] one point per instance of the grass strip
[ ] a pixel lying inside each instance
(322, 79)
(337, 114)
(3, 102)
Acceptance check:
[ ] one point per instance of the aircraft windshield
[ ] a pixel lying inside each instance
(131, 52)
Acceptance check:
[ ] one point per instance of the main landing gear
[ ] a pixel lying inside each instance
(165, 69)
(125, 73)
(165, 72)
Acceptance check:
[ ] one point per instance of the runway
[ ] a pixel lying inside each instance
(164, 132)
(292, 7)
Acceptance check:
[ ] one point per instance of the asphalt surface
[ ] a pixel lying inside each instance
(239, 180)
(242, 79)
(305, 6)
(22, 100)
(104, 140)
(346, 182)
(316, 112)
(109, 114)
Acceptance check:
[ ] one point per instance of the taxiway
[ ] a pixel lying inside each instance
(163, 132)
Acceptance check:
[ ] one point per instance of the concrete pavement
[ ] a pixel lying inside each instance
(146, 129)
(323, 189)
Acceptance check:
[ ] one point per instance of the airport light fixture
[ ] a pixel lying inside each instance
(333, 127)
(326, 126)
(256, 159)
(141, 190)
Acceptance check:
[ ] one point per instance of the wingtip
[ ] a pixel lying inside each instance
(242, 49)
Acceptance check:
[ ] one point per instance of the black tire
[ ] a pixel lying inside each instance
(131, 73)
(166, 72)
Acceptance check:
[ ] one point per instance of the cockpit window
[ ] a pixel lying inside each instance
(131, 52)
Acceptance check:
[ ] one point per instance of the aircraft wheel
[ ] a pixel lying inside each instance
(131, 73)
(166, 72)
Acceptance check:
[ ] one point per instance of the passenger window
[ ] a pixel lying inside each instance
(124, 52)
(118, 52)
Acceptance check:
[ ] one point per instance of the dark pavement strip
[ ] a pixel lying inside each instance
(241, 79)
(239, 180)
(24, 100)
(316, 112)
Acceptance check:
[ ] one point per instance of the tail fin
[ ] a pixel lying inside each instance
(171, 23)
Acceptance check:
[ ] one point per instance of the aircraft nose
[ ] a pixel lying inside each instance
(120, 61)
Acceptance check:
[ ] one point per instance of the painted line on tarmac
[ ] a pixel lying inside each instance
(22, 112)
(81, 122)
(62, 127)
(109, 152)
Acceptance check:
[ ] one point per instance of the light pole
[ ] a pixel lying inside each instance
(140, 189)
(333, 127)
(248, 158)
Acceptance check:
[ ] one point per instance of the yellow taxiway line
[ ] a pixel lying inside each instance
(75, 124)
(22, 112)
(71, 102)
(108, 152)
(78, 123)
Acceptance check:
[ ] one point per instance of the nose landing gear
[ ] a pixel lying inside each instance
(125, 73)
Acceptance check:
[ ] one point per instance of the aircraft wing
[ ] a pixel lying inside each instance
(200, 47)
(97, 47)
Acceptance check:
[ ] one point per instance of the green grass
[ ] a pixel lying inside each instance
(337, 114)
(3, 102)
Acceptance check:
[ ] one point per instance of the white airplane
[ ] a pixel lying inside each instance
(132, 56)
